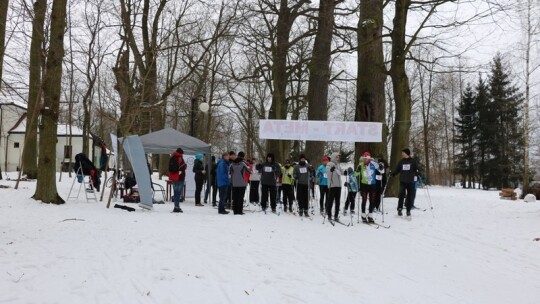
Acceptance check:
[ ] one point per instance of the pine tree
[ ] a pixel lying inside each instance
(466, 138)
(505, 165)
(484, 136)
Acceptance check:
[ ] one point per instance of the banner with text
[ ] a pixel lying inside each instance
(352, 131)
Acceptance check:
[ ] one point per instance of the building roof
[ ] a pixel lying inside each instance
(7, 99)
(63, 129)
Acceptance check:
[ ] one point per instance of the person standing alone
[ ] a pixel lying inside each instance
(408, 170)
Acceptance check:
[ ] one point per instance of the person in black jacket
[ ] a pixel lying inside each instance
(200, 177)
(212, 183)
(408, 168)
(270, 171)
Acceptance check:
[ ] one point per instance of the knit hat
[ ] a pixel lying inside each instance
(199, 156)
(325, 159)
(407, 151)
(366, 155)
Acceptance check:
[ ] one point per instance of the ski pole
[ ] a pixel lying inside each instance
(429, 199)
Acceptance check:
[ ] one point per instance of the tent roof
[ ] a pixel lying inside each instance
(168, 140)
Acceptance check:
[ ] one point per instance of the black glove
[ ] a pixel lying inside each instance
(346, 184)
(332, 169)
(288, 175)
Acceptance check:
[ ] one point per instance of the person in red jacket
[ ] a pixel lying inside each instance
(177, 174)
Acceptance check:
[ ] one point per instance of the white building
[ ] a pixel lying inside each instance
(12, 133)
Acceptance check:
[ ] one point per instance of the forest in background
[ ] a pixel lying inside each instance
(135, 66)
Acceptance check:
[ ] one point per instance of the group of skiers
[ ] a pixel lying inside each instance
(293, 182)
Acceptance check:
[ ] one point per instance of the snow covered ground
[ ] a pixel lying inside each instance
(474, 248)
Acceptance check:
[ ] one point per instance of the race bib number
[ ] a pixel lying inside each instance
(379, 177)
(406, 167)
(303, 170)
(267, 169)
(325, 175)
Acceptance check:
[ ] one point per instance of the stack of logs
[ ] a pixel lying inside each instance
(508, 194)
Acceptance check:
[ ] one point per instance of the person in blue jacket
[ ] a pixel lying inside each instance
(323, 183)
(222, 176)
(352, 188)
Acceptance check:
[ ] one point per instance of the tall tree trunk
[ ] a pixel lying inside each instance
(3, 18)
(319, 74)
(401, 89)
(278, 110)
(370, 99)
(125, 90)
(52, 82)
(29, 157)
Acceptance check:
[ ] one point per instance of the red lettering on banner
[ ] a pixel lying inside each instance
(267, 127)
(373, 129)
(340, 129)
(328, 127)
(351, 129)
(301, 128)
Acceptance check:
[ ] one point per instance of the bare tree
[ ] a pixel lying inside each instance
(280, 45)
(3, 18)
(46, 182)
(531, 28)
(29, 157)
(319, 72)
(370, 94)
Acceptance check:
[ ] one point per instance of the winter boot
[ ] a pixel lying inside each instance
(177, 210)
(364, 217)
(285, 209)
(408, 213)
(352, 212)
(370, 218)
(399, 213)
(301, 212)
(306, 213)
(336, 218)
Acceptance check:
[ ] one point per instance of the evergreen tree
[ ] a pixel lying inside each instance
(505, 164)
(466, 137)
(484, 136)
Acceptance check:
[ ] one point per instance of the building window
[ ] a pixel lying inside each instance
(67, 152)
(16, 145)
